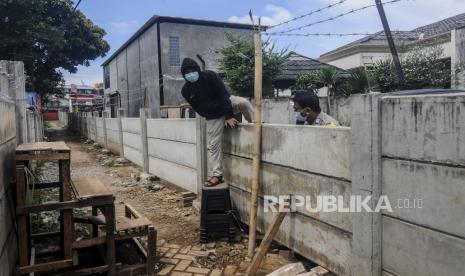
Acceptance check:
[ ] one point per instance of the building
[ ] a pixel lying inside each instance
(370, 49)
(79, 89)
(145, 70)
(295, 65)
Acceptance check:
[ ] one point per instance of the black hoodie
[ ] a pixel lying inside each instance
(208, 95)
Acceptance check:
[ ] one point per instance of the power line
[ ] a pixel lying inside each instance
(318, 34)
(332, 18)
(309, 13)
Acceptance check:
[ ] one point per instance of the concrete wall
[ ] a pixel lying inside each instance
(99, 131)
(7, 149)
(423, 157)
(132, 141)
(172, 151)
(298, 160)
(403, 147)
(112, 134)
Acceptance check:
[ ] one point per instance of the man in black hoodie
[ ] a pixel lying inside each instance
(207, 94)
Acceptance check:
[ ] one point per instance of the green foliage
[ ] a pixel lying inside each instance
(359, 81)
(47, 35)
(308, 81)
(423, 67)
(237, 64)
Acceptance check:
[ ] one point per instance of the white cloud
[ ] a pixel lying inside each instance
(273, 15)
(123, 27)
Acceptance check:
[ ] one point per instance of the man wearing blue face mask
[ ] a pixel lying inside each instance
(207, 94)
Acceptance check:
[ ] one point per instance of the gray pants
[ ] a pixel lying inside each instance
(215, 130)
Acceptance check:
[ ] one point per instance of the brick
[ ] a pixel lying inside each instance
(216, 272)
(169, 261)
(230, 270)
(173, 250)
(186, 249)
(169, 255)
(183, 265)
(286, 254)
(166, 269)
(198, 270)
(183, 257)
(196, 274)
(160, 243)
(178, 273)
(163, 249)
(187, 194)
(172, 246)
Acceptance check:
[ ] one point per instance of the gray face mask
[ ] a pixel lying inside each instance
(192, 76)
(299, 117)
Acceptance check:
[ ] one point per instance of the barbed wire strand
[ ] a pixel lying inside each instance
(320, 34)
(308, 14)
(332, 18)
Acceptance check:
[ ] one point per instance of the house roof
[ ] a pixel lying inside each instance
(297, 64)
(180, 20)
(430, 30)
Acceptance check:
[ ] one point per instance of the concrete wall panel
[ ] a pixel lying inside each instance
(410, 250)
(276, 180)
(132, 140)
(182, 130)
(425, 128)
(314, 149)
(179, 153)
(182, 176)
(111, 123)
(133, 155)
(131, 125)
(311, 238)
(441, 189)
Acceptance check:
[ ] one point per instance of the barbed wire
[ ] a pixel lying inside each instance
(332, 18)
(308, 14)
(319, 34)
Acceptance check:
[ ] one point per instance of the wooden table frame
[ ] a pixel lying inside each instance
(54, 151)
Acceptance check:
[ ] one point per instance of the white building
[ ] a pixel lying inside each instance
(370, 49)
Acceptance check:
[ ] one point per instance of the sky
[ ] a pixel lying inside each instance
(121, 18)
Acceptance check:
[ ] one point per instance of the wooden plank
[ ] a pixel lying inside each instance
(43, 156)
(42, 236)
(90, 186)
(43, 146)
(89, 242)
(138, 269)
(33, 259)
(124, 223)
(47, 185)
(110, 235)
(92, 270)
(265, 244)
(45, 266)
(66, 205)
(152, 250)
(22, 220)
(67, 215)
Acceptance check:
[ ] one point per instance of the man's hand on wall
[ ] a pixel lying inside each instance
(231, 123)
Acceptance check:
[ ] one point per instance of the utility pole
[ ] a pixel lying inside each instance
(392, 46)
(257, 139)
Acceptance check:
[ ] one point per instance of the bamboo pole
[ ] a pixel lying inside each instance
(257, 142)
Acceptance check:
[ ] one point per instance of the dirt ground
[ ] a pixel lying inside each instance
(157, 200)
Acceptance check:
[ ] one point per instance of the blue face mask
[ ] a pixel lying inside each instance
(192, 76)
(299, 117)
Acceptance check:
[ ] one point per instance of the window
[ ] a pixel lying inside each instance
(174, 51)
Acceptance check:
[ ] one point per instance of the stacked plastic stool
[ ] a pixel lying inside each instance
(216, 213)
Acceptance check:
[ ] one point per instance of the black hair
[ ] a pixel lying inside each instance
(307, 99)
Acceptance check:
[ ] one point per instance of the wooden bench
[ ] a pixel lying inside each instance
(128, 224)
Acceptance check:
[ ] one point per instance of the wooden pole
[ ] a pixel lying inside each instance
(265, 244)
(392, 46)
(257, 142)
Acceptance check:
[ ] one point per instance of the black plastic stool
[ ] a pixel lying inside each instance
(215, 213)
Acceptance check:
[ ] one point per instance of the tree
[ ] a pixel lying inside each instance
(237, 64)
(423, 66)
(48, 35)
(308, 81)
